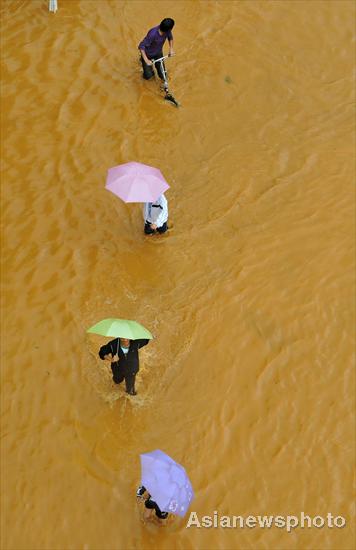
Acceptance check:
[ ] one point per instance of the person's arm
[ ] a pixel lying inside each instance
(142, 342)
(147, 61)
(107, 352)
(170, 42)
(145, 44)
(171, 52)
(164, 212)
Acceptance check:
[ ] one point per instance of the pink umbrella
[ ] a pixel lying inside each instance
(136, 182)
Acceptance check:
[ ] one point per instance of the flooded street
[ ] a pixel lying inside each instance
(249, 382)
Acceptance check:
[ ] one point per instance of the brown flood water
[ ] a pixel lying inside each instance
(249, 381)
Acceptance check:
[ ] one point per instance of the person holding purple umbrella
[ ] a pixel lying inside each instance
(151, 46)
(155, 215)
(150, 504)
(166, 481)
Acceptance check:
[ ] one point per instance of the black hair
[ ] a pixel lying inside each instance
(166, 25)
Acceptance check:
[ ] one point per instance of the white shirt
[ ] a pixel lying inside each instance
(156, 212)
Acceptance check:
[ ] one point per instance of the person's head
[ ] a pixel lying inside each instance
(125, 342)
(166, 25)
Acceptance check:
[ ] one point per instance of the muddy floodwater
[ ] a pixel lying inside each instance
(249, 381)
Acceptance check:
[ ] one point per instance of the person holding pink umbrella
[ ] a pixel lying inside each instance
(155, 215)
(137, 182)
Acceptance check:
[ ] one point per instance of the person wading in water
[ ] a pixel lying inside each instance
(123, 356)
(151, 47)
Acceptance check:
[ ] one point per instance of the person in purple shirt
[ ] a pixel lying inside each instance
(151, 47)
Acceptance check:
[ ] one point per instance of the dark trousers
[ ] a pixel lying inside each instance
(151, 504)
(148, 71)
(148, 230)
(119, 374)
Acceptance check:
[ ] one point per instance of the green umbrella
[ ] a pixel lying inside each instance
(121, 328)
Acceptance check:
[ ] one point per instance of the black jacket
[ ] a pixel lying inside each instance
(129, 362)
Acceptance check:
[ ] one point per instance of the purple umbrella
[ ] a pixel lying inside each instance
(136, 182)
(167, 482)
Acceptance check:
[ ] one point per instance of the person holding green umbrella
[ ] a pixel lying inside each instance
(122, 352)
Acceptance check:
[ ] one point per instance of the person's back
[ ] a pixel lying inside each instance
(155, 215)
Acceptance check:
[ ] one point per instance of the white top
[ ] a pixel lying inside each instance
(156, 212)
